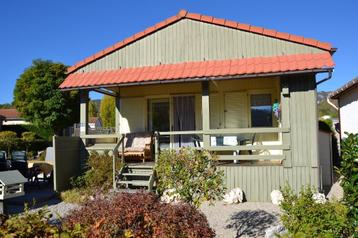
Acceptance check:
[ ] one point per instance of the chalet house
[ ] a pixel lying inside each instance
(244, 92)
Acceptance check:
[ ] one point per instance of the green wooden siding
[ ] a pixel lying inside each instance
(303, 120)
(257, 182)
(189, 40)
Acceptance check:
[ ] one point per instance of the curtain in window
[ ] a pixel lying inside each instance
(184, 119)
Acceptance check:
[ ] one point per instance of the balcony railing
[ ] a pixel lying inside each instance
(245, 148)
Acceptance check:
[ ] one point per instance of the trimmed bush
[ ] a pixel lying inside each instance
(303, 215)
(192, 173)
(139, 215)
(349, 174)
(36, 224)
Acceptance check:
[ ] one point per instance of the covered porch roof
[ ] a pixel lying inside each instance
(188, 71)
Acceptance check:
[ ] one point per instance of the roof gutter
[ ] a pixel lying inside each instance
(329, 70)
(325, 79)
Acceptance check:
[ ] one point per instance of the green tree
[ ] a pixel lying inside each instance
(92, 109)
(8, 141)
(349, 175)
(107, 111)
(6, 106)
(28, 138)
(39, 99)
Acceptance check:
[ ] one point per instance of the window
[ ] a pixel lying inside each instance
(261, 110)
(158, 115)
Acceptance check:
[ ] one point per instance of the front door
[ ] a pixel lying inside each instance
(183, 119)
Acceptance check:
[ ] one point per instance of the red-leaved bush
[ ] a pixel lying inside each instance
(139, 215)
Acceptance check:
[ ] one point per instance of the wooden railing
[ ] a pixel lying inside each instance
(120, 143)
(284, 146)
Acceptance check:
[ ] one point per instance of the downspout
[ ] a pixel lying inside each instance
(332, 104)
(325, 79)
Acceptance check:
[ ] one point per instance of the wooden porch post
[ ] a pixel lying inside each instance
(205, 112)
(84, 114)
(285, 119)
(118, 114)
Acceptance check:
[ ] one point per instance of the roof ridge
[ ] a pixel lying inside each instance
(184, 14)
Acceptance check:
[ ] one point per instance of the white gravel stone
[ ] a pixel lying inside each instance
(236, 195)
(249, 219)
(276, 197)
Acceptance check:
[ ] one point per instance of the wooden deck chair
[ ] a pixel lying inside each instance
(137, 145)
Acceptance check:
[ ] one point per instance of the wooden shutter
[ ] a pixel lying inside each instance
(236, 110)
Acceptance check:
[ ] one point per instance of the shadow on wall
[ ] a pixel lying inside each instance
(251, 223)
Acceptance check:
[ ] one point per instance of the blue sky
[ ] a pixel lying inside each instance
(69, 30)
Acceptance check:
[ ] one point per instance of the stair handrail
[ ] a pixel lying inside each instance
(114, 156)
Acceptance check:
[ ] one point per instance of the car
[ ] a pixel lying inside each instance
(4, 163)
(19, 162)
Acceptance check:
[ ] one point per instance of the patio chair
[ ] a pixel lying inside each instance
(250, 140)
(137, 145)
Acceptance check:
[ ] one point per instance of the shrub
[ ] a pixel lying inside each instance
(192, 173)
(8, 141)
(76, 195)
(302, 215)
(99, 174)
(36, 224)
(98, 178)
(139, 215)
(349, 174)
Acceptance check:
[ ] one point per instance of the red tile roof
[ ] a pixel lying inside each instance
(208, 19)
(10, 113)
(202, 69)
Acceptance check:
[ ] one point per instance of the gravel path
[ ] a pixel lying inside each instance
(59, 210)
(247, 219)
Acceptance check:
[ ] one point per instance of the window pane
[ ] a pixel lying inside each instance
(158, 115)
(261, 110)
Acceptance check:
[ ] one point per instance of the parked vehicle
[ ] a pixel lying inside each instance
(4, 163)
(19, 162)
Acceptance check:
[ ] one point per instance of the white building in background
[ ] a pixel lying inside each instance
(11, 117)
(347, 97)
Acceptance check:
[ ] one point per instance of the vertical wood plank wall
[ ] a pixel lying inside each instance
(258, 181)
(189, 40)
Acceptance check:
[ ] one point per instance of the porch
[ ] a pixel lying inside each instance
(232, 118)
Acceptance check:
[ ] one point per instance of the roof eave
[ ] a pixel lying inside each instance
(183, 80)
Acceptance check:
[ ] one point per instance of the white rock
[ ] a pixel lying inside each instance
(276, 197)
(273, 231)
(170, 196)
(336, 192)
(319, 198)
(236, 195)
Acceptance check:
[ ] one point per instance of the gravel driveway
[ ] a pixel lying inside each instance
(249, 219)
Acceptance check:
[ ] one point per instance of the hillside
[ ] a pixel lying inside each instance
(323, 106)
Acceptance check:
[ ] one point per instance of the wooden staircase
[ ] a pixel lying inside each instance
(137, 175)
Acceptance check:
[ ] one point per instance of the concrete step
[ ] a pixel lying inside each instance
(143, 183)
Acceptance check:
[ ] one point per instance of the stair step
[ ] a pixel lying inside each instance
(135, 182)
(140, 167)
(137, 174)
(102, 146)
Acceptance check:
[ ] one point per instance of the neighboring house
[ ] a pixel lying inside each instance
(11, 117)
(244, 92)
(347, 97)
